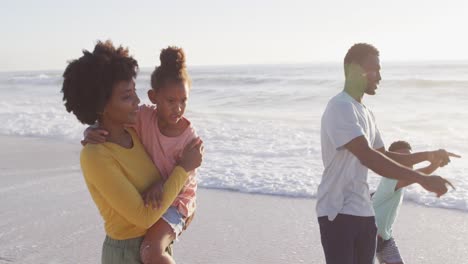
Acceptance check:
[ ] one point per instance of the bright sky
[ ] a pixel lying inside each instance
(41, 35)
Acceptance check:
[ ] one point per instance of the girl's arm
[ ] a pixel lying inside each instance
(94, 135)
(97, 135)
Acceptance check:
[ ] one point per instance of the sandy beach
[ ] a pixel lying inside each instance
(47, 216)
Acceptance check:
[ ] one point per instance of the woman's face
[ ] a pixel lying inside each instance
(122, 107)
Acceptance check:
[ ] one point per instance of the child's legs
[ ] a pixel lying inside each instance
(388, 252)
(157, 239)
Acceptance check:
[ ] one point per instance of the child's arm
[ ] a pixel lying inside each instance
(426, 170)
(97, 135)
(94, 135)
(430, 168)
(153, 196)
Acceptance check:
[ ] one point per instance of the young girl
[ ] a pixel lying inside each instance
(164, 132)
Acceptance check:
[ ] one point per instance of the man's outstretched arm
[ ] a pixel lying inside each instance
(426, 170)
(440, 156)
(384, 166)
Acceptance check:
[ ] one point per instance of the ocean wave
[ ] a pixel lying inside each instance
(422, 83)
(40, 79)
(253, 81)
(240, 81)
(266, 138)
(216, 78)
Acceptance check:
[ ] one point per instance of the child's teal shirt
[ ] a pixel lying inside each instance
(386, 202)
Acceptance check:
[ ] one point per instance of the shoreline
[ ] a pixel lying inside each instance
(48, 216)
(70, 149)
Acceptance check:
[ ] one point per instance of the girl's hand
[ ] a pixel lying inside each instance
(192, 155)
(188, 221)
(94, 135)
(153, 196)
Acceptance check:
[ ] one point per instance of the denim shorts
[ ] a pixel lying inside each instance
(175, 219)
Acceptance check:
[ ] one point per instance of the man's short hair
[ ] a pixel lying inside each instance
(358, 52)
(399, 145)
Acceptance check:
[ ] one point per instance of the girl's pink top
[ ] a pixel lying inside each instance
(164, 151)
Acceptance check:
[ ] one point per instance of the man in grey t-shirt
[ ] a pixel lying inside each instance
(352, 144)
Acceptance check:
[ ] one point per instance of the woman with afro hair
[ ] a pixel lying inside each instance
(99, 87)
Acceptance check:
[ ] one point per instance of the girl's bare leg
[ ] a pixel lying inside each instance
(157, 239)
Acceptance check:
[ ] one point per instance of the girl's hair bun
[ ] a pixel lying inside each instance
(172, 58)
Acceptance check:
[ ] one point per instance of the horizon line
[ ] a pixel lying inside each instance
(461, 61)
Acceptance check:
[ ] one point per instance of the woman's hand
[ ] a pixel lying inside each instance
(188, 221)
(153, 196)
(192, 155)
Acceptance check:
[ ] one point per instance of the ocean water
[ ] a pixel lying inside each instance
(261, 123)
